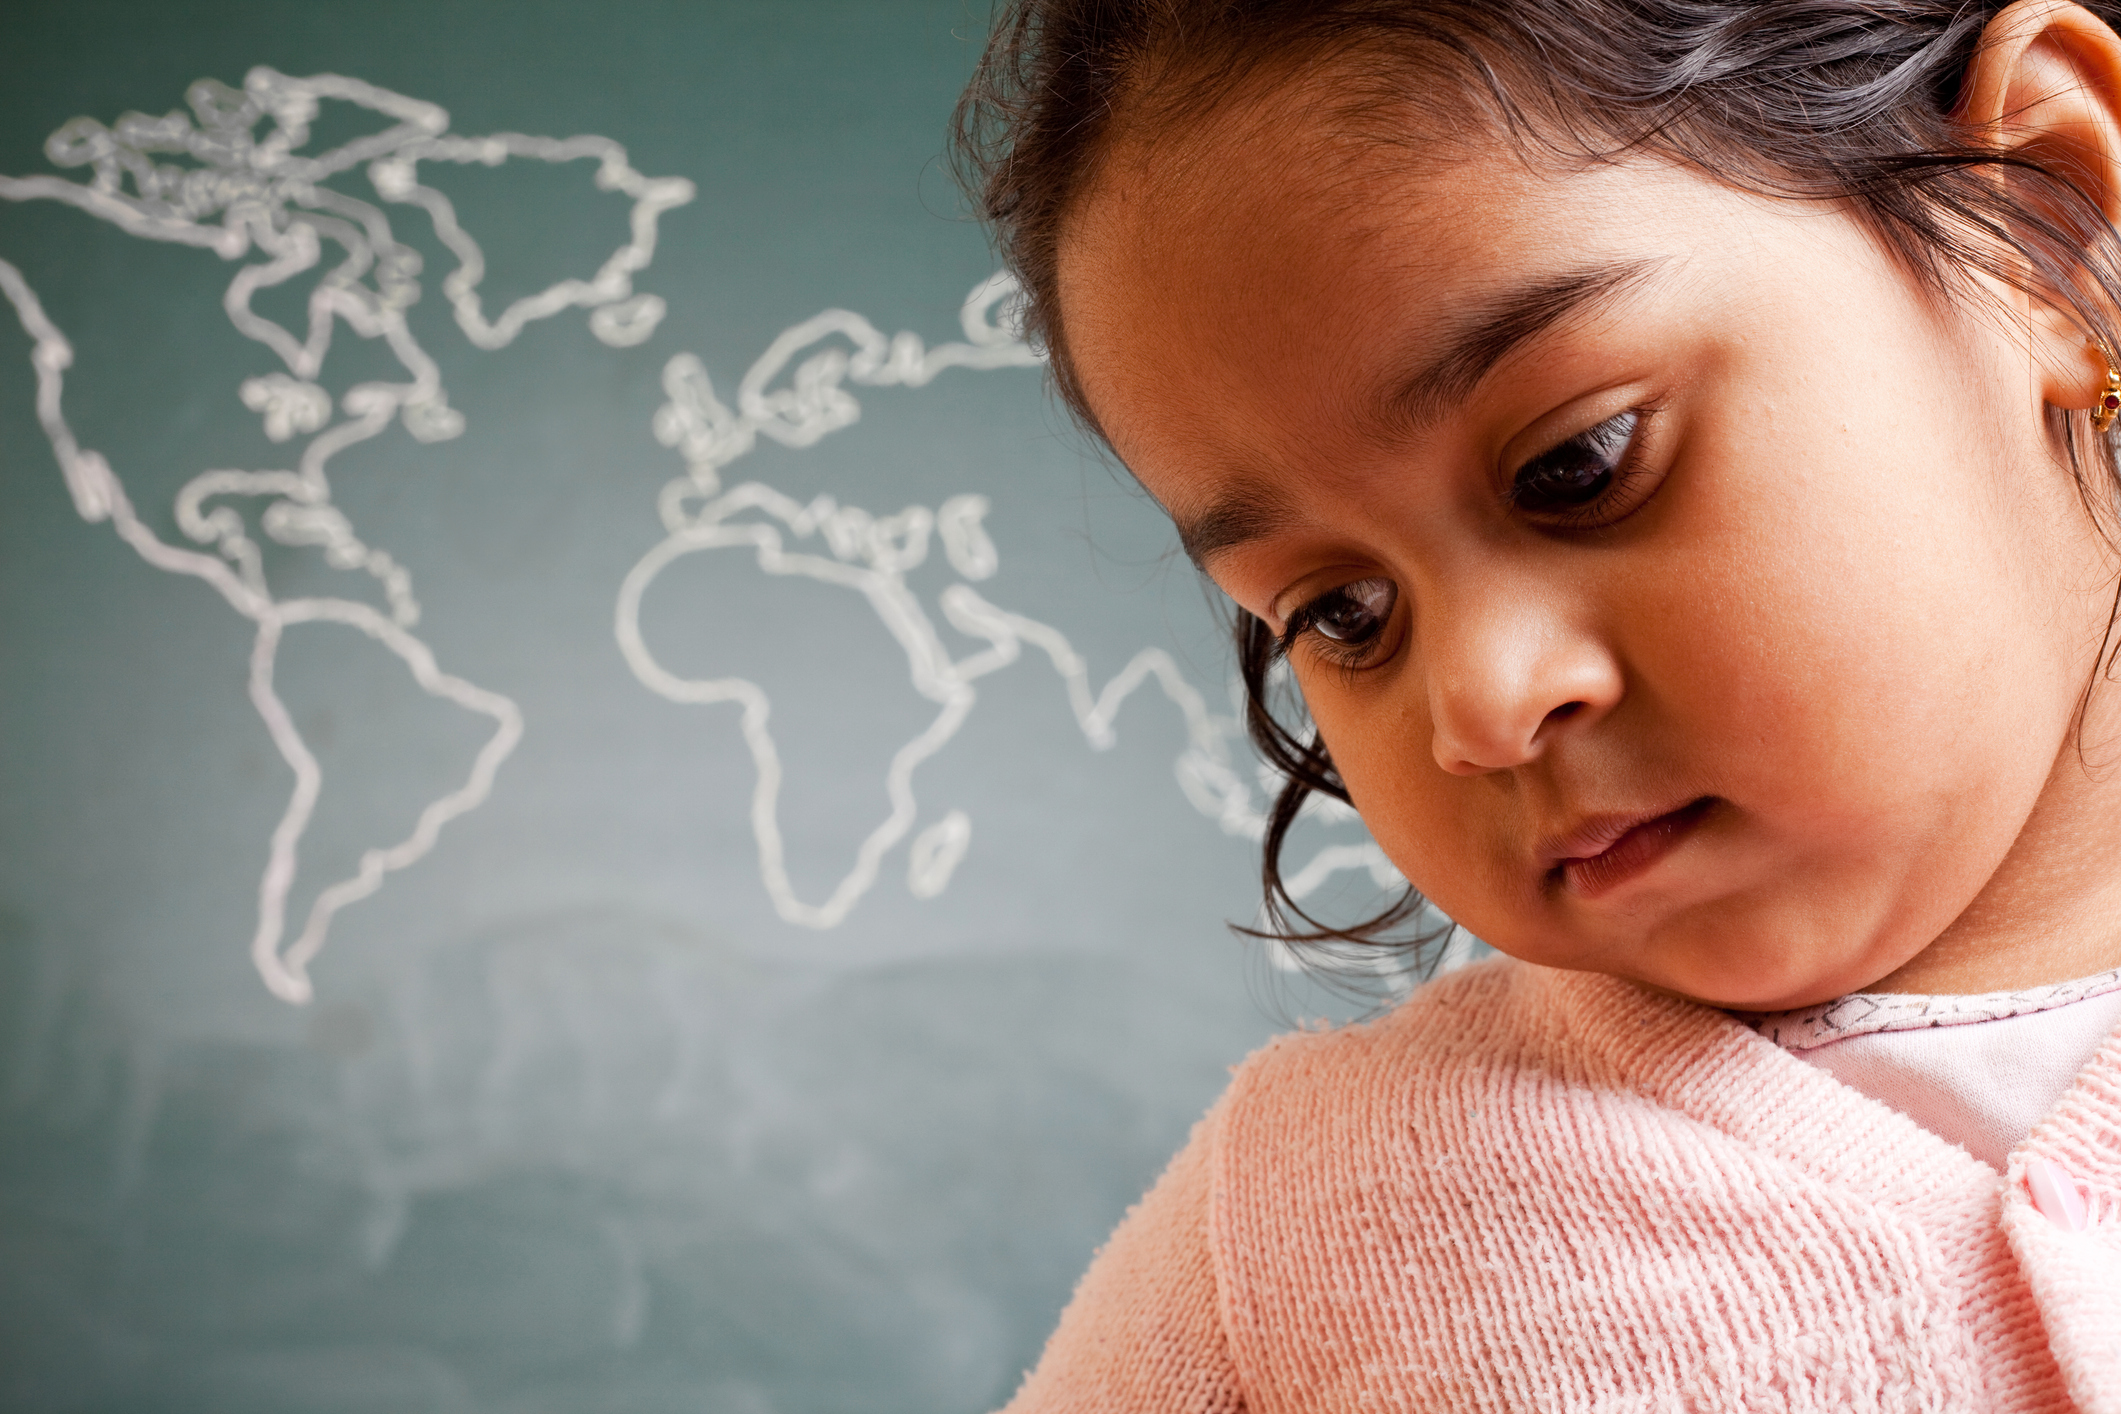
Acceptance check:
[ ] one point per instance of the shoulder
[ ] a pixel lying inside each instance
(1505, 1020)
(1507, 1058)
(1498, 1013)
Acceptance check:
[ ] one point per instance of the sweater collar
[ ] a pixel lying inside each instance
(1713, 1069)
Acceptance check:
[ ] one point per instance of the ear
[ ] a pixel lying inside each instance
(2045, 83)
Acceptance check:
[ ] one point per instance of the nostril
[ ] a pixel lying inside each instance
(1565, 711)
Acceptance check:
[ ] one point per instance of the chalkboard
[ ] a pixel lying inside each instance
(605, 808)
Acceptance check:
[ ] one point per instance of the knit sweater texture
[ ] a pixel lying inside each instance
(1526, 1189)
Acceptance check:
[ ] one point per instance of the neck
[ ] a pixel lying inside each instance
(2052, 911)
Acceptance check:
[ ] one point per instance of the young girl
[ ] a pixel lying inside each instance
(1665, 441)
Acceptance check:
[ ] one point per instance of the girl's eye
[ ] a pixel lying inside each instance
(1573, 477)
(1348, 618)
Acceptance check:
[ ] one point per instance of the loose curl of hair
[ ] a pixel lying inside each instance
(1850, 102)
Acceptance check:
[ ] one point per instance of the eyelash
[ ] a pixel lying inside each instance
(1303, 624)
(1622, 472)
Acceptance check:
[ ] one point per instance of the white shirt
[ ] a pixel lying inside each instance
(1980, 1071)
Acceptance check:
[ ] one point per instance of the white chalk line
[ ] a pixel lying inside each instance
(241, 191)
(871, 555)
(270, 197)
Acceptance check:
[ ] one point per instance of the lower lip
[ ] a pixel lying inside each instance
(1635, 851)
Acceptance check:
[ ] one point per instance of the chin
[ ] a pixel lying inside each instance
(1760, 999)
(1753, 968)
(1722, 954)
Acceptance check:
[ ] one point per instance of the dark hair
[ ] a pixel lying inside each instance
(1849, 101)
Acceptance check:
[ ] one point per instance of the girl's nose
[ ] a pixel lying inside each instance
(1506, 679)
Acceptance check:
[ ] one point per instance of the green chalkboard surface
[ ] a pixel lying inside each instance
(604, 808)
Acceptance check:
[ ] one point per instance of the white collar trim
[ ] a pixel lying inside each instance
(1865, 1013)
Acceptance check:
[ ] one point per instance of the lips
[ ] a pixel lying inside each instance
(1608, 850)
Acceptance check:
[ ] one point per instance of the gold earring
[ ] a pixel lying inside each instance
(2109, 402)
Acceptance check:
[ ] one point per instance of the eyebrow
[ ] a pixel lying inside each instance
(1250, 512)
(1469, 353)
(1488, 334)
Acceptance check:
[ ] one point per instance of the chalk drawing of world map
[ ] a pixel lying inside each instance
(232, 176)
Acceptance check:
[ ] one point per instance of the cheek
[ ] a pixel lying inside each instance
(1458, 839)
(1878, 631)
(1878, 669)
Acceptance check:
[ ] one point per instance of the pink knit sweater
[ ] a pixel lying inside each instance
(1536, 1190)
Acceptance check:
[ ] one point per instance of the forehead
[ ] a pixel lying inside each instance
(1231, 294)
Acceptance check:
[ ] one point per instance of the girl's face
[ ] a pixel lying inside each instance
(1681, 593)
